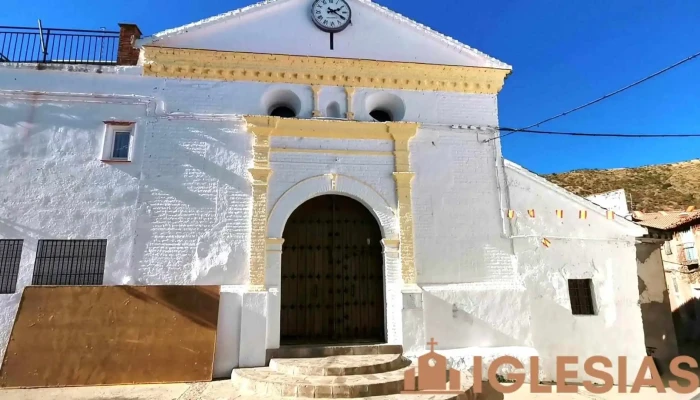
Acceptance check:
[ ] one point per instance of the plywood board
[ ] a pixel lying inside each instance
(108, 335)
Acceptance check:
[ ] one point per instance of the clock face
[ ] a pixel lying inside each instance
(331, 15)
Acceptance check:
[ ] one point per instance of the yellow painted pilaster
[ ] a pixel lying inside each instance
(317, 91)
(403, 192)
(402, 135)
(349, 94)
(261, 173)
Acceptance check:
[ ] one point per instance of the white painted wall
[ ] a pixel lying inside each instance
(393, 38)
(594, 248)
(180, 212)
(615, 200)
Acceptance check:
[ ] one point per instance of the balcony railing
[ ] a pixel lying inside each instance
(58, 46)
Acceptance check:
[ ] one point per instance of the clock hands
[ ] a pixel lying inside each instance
(336, 12)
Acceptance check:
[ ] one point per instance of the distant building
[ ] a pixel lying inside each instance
(680, 262)
(615, 200)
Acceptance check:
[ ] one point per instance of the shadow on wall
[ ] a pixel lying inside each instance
(659, 332)
(204, 311)
(170, 175)
(468, 324)
(686, 320)
(13, 230)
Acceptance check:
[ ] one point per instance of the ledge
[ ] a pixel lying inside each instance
(323, 128)
(306, 70)
(84, 68)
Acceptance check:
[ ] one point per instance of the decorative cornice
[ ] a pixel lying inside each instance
(277, 68)
(333, 129)
(333, 151)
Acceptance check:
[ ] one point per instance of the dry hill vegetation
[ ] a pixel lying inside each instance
(661, 187)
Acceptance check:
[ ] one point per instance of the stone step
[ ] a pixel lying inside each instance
(267, 382)
(340, 365)
(326, 351)
(461, 396)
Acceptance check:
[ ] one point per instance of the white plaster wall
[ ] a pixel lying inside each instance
(595, 248)
(615, 200)
(266, 29)
(180, 212)
(456, 209)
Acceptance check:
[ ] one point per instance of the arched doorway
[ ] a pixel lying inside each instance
(332, 274)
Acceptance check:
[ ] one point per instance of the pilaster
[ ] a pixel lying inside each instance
(402, 135)
(260, 173)
(349, 94)
(317, 91)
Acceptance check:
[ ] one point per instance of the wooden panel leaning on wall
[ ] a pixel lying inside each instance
(107, 335)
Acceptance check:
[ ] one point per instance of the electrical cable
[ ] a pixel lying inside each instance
(615, 135)
(590, 103)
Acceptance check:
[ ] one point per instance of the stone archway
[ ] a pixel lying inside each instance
(332, 286)
(385, 216)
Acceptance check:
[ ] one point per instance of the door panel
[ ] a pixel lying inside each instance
(332, 274)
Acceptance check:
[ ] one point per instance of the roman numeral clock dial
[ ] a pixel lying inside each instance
(331, 15)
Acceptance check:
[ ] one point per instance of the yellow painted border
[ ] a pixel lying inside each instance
(331, 129)
(277, 68)
(333, 151)
(264, 127)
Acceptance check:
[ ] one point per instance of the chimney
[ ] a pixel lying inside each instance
(126, 53)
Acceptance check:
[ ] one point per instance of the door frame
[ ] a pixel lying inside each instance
(339, 209)
(388, 222)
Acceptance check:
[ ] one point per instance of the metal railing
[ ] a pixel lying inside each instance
(57, 46)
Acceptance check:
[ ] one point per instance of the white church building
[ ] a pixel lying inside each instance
(341, 189)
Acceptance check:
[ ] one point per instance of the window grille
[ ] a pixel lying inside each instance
(70, 262)
(581, 296)
(10, 255)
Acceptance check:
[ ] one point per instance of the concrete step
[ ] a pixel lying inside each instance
(340, 365)
(326, 351)
(267, 382)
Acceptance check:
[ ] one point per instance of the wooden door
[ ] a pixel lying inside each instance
(332, 274)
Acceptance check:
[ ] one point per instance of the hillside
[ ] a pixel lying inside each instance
(653, 188)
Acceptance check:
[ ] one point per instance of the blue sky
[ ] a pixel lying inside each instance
(564, 53)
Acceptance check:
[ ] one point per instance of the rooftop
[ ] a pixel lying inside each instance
(667, 220)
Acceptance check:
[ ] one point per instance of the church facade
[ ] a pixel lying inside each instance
(339, 188)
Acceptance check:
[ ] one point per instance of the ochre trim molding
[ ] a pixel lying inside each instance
(332, 151)
(332, 129)
(404, 178)
(260, 173)
(317, 92)
(264, 127)
(277, 68)
(349, 95)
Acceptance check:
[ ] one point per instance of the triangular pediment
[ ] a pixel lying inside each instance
(286, 27)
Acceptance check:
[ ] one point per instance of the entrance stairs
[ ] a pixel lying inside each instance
(370, 372)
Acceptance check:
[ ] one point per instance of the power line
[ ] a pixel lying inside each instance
(590, 103)
(615, 135)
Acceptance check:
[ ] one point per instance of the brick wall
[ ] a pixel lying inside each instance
(126, 53)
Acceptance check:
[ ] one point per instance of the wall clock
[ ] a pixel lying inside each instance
(331, 15)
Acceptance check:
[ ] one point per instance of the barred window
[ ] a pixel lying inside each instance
(581, 296)
(10, 254)
(70, 262)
